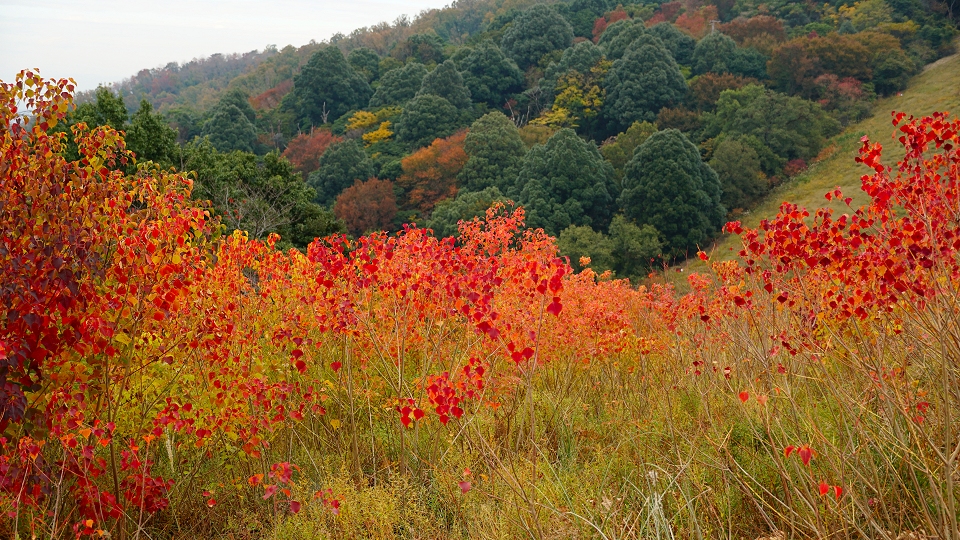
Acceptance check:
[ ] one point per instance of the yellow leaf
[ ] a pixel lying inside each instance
(335, 424)
(122, 338)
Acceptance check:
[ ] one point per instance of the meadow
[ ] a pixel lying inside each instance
(162, 379)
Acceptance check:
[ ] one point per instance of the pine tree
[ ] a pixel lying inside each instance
(446, 82)
(341, 165)
(326, 89)
(491, 77)
(535, 32)
(495, 153)
(641, 83)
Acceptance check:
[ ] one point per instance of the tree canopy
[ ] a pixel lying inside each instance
(566, 182)
(342, 164)
(327, 88)
(495, 152)
(641, 83)
(426, 118)
(445, 81)
(668, 186)
(490, 76)
(537, 31)
(399, 86)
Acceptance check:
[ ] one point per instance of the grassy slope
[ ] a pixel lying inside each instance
(936, 89)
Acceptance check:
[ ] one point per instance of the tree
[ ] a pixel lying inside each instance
(445, 81)
(464, 207)
(668, 186)
(619, 36)
(635, 248)
(565, 182)
(495, 152)
(422, 48)
(490, 76)
(580, 59)
(229, 129)
(619, 151)
(705, 90)
(537, 31)
(326, 88)
(107, 110)
(579, 241)
(582, 13)
(744, 30)
(399, 86)
(304, 150)
(697, 23)
(342, 164)
(678, 43)
(738, 167)
(791, 127)
(367, 206)
(365, 62)
(718, 53)
(259, 195)
(641, 83)
(430, 174)
(241, 100)
(150, 137)
(425, 118)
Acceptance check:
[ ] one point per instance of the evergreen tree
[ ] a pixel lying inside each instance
(446, 82)
(582, 13)
(399, 86)
(241, 100)
(718, 53)
(619, 35)
(150, 138)
(535, 32)
(495, 152)
(566, 182)
(641, 83)
(340, 165)
(422, 48)
(667, 185)
(425, 118)
(619, 152)
(107, 110)
(679, 44)
(491, 77)
(326, 88)
(366, 62)
(230, 129)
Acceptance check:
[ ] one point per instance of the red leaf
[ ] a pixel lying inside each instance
(269, 491)
(294, 507)
(806, 454)
(703, 256)
(335, 366)
(211, 503)
(301, 366)
(788, 450)
(465, 486)
(555, 307)
(837, 492)
(744, 396)
(824, 488)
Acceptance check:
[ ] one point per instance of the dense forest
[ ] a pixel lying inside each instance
(629, 132)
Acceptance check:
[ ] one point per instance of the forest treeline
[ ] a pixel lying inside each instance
(630, 132)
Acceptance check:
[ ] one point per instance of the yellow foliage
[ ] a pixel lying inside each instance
(361, 120)
(381, 134)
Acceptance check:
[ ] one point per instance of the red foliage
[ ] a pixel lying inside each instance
(794, 167)
(304, 150)
(697, 23)
(601, 24)
(271, 98)
(367, 206)
(430, 174)
(742, 30)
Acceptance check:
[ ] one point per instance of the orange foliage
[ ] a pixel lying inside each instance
(430, 174)
(271, 98)
(304, 150)
(697, 23)
(367, 206)
(742, 30)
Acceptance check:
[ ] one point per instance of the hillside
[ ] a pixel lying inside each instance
(937, 88)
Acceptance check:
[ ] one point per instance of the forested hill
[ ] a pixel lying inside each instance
(630, 132)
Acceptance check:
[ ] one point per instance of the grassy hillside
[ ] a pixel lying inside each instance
(936, 89)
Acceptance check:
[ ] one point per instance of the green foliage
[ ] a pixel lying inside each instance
(679, 44)
(340, 165)
(495, 152)
(446, 82)
(425, 118)
(230, 128)
(565, 182)
(641, 83)
(399, 86)
(150, 137)
(259, 195)
(620, 151)
(582, 13)
(891, 71)
(791, 127)
(185, 121)
(667, 185)
(619, 35)
(537, 31)
(326, 89)
(465, 206)
(422, 48)
(107, 110)
(718, 53)
(737, 165)
(579, 58)
(240, 100)
(490, 76)
(628, 250)
(366, 62)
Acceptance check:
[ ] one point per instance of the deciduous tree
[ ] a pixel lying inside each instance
(430, 174)
(367, 206)
(304, 150)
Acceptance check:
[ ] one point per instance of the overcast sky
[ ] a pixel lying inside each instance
(106, 41)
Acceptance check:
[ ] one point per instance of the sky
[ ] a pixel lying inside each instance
(106, 41)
